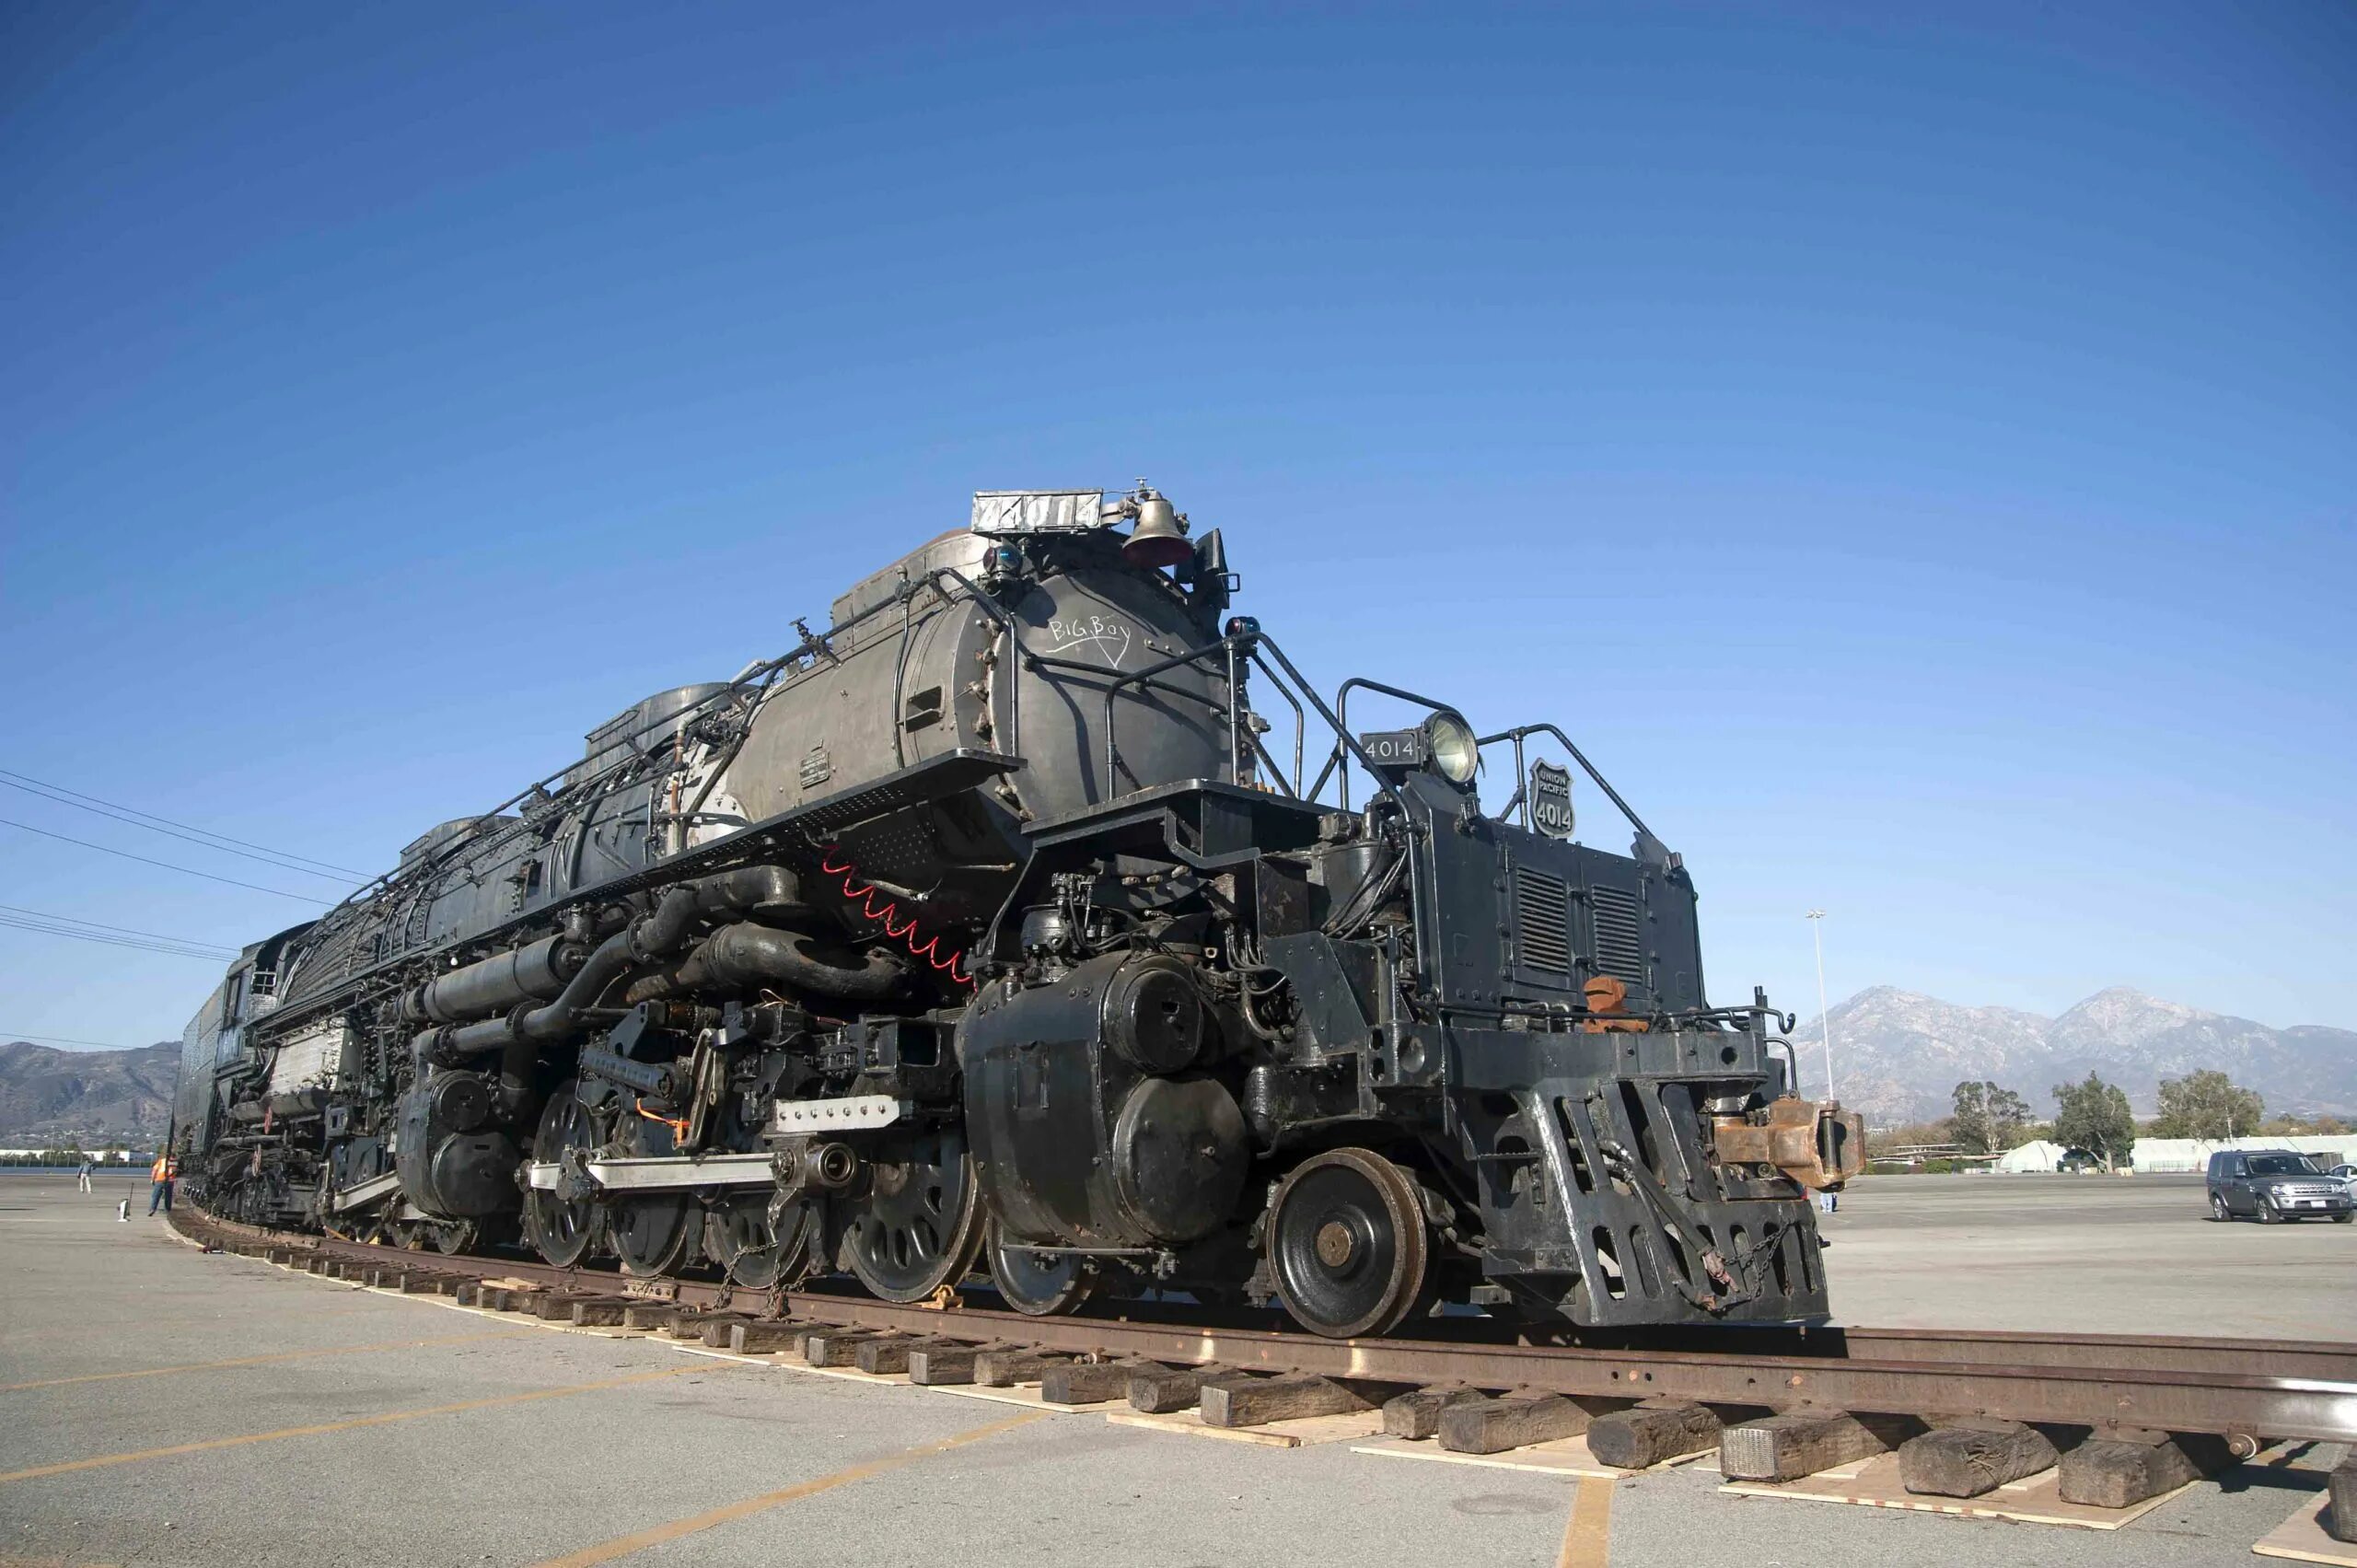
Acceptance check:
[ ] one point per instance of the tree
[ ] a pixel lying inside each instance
(1986, 1117)
(2094, 1117)
(2207, 1105)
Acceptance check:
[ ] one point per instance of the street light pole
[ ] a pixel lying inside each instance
(1824, 1021)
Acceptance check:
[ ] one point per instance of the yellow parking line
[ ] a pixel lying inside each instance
(1587, 1534)
(623, 1546)
(105, 1460)
(253, 1361)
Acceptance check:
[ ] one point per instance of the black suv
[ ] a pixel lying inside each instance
(2276, 1185)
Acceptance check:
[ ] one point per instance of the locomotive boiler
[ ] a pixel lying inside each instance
(1003, 926)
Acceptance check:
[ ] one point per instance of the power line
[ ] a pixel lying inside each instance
(232, 881)
(113, 935)
(117, 930)
(155, 824)
(66, 1039)
(9, 922)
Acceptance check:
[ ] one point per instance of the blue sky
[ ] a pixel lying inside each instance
(1912, 448)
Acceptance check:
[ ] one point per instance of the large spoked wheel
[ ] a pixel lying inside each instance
(562, 1228)
(1347, 1243)
(2218, 1208)
(655, 1233)
(917, 1230)
(1040, 1285)
(762, 1239)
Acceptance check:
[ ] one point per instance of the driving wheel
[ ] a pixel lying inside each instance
(1040, 1284)
(1347, 1243)
(761, 1239)
(917, 1228)
(655, 1232)
(562, 1223)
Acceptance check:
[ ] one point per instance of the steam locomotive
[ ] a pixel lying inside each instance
(997, 926)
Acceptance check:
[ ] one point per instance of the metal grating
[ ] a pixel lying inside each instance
(1543, 919)
(1619, 944)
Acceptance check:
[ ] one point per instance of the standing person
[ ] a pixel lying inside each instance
(86, 1173)
(161, 1175)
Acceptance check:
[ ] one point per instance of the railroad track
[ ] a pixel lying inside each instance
(2136, 1415)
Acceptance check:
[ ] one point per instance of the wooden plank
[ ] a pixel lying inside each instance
(648, 1314)
(1875, 1482)
(1971, 1458)
(1786, 1448)
(1490, 1426)
(2306, 1535)
(1564, 1456)
(1650, 1434)
(1298, 1433)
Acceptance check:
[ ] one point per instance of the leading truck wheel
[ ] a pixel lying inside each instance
(1348, 1245)
(916, 1231)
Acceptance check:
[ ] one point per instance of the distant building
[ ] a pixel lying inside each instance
(2160, 1156)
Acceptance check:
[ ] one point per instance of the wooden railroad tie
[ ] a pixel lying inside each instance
(1648, 1434)
(1164, 1392)
(1005, 1368)
(1971, 1455)
(2122, 1467)
(884, 1356)
(1416, 1414)
(1801, 1443)
(2340, 1501)
(934, 1366)
(835, 1347)
(1492, 1426)
(1288, 1397)
(1092, 1382)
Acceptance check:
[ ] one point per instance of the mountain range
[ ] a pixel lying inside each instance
(97, 1096)
(1897, 1055)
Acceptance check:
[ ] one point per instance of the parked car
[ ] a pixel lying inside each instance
(2346, 1175)
(2275, 1185)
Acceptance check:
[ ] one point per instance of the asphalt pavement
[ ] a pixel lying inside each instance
(162, 1406)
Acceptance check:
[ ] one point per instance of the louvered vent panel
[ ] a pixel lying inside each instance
(1542, 916)
(1620, 943)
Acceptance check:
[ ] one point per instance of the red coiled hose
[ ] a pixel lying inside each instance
(864, 895)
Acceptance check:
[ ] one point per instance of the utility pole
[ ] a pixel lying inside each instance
(1824, 1022)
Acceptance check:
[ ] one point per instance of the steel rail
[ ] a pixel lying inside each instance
(2266, 1389)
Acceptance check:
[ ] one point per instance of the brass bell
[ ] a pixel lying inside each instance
(1160, 537)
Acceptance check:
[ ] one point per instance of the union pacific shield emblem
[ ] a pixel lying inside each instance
(1550, 799)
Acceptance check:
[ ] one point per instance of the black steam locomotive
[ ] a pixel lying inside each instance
(998, 923)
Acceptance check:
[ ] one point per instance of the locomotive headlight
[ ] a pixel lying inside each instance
(1449, 741)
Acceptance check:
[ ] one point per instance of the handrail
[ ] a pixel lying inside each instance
(1342, 703)
(1519, 733)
